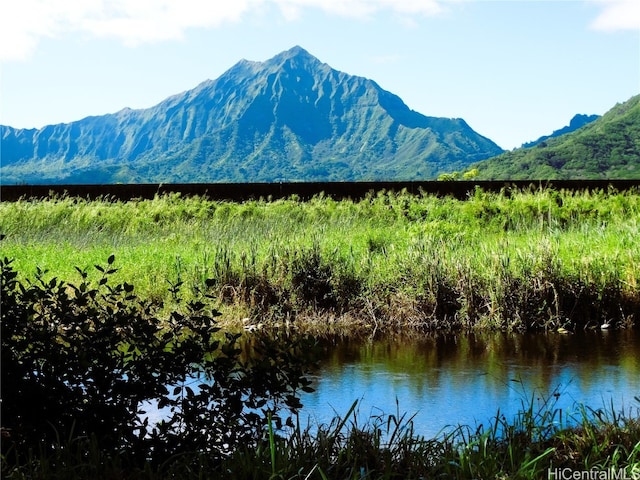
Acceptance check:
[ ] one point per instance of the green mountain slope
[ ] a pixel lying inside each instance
(291, 118)
(607, 148)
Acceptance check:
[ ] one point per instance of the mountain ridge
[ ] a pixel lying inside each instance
(606, 148)
(291, 118)
(577, 121)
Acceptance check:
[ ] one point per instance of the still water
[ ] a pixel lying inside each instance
(465, 379)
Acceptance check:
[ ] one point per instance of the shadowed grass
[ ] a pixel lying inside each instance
(538, 440)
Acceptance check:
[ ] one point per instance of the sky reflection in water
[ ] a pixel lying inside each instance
(465, 379)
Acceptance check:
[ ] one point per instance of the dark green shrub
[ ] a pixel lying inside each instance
(89, 360)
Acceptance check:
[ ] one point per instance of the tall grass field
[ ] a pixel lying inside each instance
(109, 305)
(538, 259)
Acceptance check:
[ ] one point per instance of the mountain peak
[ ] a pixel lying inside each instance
(578, 121)
(295, 51)
(294, 56)
(290, 117)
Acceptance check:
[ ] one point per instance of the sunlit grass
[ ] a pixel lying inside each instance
(487, 260)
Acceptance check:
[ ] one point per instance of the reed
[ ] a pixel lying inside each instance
(511, 260)
(538, 440)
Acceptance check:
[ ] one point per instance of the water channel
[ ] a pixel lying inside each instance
(464, 379)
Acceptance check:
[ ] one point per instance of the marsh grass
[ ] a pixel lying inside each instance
(539, 439)
(514, 260)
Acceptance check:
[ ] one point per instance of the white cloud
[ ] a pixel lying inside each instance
(140, 21)
(24, 23)
(360, 8)
(617, 15)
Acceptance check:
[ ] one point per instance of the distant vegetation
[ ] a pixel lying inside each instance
(542, 259)
(606, 148)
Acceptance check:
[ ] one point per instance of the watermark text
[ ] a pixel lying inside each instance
(628, 473)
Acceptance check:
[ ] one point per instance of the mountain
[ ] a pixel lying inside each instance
(290, 118)
(607, 148)
(576, 122)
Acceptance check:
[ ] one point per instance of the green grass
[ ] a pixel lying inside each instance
(537, 440)
(514, 260)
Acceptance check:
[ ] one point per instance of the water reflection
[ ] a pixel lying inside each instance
(465, 378)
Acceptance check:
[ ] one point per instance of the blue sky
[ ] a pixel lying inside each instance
(514, 70)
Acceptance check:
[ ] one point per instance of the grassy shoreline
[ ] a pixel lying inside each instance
(536, 443)
(513, 260)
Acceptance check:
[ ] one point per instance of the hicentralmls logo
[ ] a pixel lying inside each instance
(631, 472)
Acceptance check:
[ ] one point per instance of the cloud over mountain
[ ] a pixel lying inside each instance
(133, 22)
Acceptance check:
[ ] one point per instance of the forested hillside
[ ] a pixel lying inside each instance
(608, 148)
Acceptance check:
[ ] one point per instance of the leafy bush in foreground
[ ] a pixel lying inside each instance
(85, 361)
